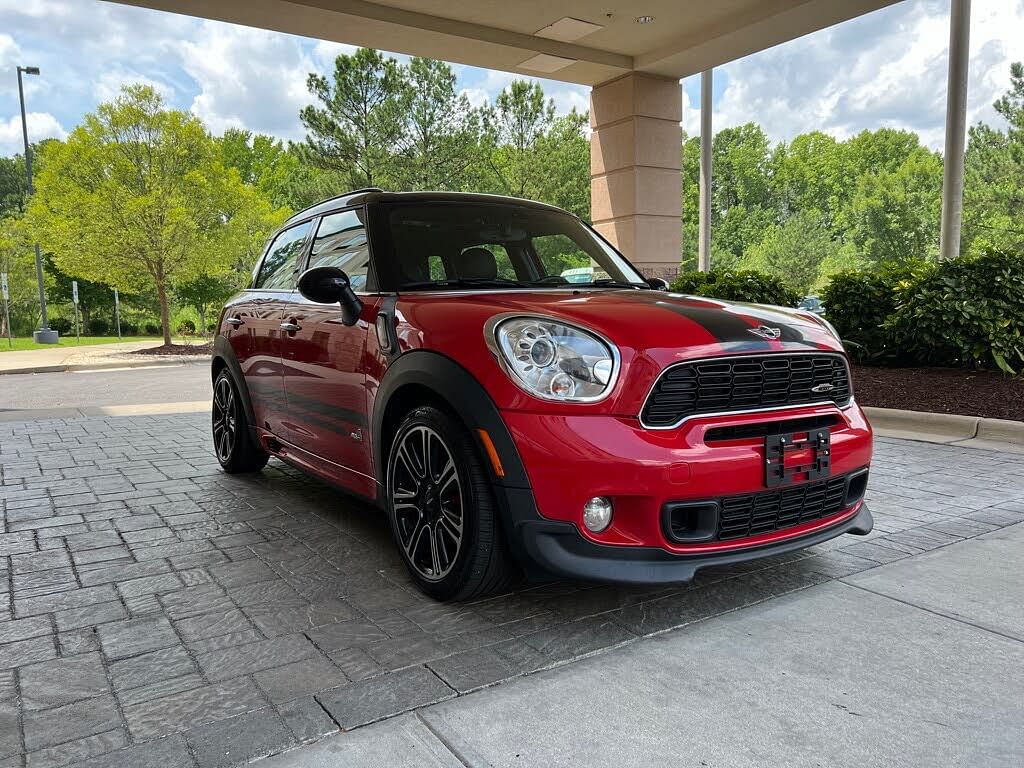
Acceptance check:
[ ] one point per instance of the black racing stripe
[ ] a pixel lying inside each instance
(732, 329)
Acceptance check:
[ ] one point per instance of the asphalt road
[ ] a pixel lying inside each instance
(129, 386)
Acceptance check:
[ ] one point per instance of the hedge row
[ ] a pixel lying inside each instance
(967, 312)
(747, 285)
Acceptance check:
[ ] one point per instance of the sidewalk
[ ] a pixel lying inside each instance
(914, 663)
(91, 357)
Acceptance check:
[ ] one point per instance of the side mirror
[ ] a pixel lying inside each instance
(329, 285)
(657, 283)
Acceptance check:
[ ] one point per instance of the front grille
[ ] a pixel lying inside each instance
(749, 515)
(754, 513)
(754, 382)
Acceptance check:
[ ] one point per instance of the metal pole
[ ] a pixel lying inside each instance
(704, 243)
(7, 311)
(45, 325)
(956, 123)
(117, 313)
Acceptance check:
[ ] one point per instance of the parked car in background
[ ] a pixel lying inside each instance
(436, 354)
(812, 304)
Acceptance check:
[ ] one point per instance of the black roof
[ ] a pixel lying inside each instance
(374, 195)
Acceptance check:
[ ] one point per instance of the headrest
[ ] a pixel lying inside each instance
(476, 263)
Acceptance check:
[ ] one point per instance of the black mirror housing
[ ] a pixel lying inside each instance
(330, 285)
(657, 283)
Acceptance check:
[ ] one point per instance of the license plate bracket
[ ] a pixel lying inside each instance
(781, 465)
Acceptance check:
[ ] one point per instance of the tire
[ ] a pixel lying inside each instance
(442, 511)
(233, 443)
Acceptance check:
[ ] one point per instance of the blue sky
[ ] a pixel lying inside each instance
(884, 69)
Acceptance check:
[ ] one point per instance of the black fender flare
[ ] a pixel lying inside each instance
(224, 353)
(466, 396)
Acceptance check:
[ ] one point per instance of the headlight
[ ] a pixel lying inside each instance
(554, 360)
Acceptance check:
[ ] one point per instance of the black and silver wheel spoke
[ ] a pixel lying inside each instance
(426, 500)
(224, 420)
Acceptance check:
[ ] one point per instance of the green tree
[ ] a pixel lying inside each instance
(12, 184)
(360, 120)
(894, 215)
(516, 125)
(442, 132)
(206, 294)
(565, 152)
(994, 177)
(18, 261)
(794, 250)
(137, 196)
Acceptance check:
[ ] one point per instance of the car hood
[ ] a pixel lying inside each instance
(672, 326)
(651, 329)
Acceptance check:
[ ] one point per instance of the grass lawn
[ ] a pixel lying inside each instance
(25, 343)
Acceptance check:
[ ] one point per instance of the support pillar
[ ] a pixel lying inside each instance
(706, 136)
(956, 125)
(636, 184)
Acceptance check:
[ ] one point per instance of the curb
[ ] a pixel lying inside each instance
(952, 429)
(78, 367)
(141, 409)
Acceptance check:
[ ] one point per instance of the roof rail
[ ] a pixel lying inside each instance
(336, 197)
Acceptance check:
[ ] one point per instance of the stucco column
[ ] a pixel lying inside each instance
(636, 185)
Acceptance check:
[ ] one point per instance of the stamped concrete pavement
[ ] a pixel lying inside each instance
(156, 612)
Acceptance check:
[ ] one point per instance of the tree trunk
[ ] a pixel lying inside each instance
(202, 321)
(165, 315)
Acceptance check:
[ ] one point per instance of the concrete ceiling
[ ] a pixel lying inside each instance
(685, 36)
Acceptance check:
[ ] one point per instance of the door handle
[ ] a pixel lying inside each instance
(235, 321)
(291, 327)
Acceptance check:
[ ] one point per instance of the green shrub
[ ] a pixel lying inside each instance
(129, 329)
(62, 325)
(744, 285)
(186, 328)
(99, 326)
(858, 303)
(969, 311)
(151, 329)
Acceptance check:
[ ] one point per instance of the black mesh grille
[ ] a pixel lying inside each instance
(744, 383)
(755, 513)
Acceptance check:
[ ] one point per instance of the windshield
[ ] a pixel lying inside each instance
(451, 246)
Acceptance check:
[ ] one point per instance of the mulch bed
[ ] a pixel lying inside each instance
(177, 349)
(941, 390)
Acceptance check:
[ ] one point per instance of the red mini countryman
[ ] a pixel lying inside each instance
(515, 395)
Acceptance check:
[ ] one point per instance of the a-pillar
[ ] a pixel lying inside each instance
(635, 169)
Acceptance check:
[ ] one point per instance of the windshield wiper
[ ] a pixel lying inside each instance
(465, 282)
(608, 282)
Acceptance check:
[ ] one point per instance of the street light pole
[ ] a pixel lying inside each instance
(44, 335)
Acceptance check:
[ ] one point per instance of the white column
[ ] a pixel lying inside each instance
(956, 124)
(704, 244)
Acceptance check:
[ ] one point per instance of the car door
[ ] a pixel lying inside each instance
(261, 320)
(324, 360)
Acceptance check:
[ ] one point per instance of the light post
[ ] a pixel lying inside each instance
(45, 335)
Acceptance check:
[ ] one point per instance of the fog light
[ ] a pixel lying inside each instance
(597, 514)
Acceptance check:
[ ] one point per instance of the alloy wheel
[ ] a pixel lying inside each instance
(225, 419)
(427, 502)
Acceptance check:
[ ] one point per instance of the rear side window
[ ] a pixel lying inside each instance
(278, 269)
(341, 242)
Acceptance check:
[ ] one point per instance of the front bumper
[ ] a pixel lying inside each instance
(569, 459)
(559, 549)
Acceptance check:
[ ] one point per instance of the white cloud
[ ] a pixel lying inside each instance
(247, 78)
(884, 69)
(108, 86)
(41, 125)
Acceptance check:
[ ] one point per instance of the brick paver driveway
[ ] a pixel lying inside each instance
(148, 595)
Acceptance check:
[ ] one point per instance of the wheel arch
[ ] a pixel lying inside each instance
(224, 359)
(422, 377)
